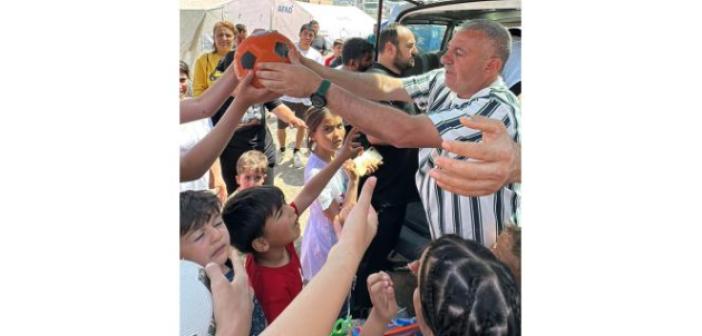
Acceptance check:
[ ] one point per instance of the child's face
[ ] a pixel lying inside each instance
(250, 178)
(330, 133)
(210, 243)
(283, 227)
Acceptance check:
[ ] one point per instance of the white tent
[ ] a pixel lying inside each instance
(340, 22)
(197, 17)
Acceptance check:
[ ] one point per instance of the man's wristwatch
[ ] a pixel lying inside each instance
(319, 98)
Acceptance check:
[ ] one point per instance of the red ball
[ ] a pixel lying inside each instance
(266, 47)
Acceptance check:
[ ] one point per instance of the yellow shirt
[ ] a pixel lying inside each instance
(203, 75)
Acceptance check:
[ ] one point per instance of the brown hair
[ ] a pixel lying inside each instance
(222, 24)
(252, 160)
(313, 118)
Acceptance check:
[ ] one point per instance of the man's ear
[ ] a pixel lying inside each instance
(494, 65)
(260, 245)
(389, 48)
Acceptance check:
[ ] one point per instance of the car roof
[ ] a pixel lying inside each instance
(507, 12)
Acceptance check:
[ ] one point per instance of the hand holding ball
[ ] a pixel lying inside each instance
(266, 47)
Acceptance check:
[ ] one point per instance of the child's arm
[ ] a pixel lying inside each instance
(326, 292)
(316, 184)
(205, 105)
(217, 184)
(351, 191)
(382, 295)
(198, 159)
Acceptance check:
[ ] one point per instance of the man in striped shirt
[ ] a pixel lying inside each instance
(468, 85)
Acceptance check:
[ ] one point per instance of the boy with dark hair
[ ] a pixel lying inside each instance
(204, 238)
(264, 225)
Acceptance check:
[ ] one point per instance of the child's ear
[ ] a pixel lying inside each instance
(260, 245)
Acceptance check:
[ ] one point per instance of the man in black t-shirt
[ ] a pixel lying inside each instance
(396, 186)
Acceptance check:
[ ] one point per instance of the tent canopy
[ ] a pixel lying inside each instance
(197, 17)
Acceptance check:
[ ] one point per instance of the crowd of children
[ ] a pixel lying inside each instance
(463, 287)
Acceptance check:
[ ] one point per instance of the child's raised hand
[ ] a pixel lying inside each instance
(351, 146)
(382, 295)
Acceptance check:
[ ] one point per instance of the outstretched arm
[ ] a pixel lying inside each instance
(370, 117)
(324, 295)
(198, 159)
(208, 103)
(497, 161)
(366, 85)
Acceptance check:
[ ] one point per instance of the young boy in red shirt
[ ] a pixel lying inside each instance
(262, 224)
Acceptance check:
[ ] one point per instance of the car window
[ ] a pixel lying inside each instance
(429, 36)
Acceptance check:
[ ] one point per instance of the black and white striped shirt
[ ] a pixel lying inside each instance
(476, 218)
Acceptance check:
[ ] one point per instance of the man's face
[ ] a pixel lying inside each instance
(240, 36)
(306, 37)
(406, 49)
(469, 63)
(315, 27)
(365, 62)
(210, 243)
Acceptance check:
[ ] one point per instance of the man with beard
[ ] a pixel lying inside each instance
(468, 85)
(357, 55)
(395, 187)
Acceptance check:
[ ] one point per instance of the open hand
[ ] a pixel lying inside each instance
(497, 161)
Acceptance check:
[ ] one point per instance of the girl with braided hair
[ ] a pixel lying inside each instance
(463, 289)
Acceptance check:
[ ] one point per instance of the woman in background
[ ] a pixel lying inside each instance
(204, 70)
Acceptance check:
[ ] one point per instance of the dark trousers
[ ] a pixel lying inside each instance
(390, 220)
